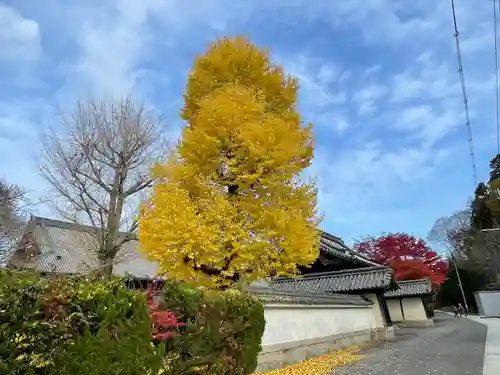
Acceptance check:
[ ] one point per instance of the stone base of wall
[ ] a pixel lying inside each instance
(416, 323)
(281, 355)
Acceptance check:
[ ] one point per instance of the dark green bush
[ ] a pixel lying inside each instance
(223, 331)
(72, 326)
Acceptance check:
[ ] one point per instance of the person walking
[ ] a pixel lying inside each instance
(462, 310)
(456, 309)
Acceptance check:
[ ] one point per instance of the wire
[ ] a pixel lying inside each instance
(464, 93)
(496, 73)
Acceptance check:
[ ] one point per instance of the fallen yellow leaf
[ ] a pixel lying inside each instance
(322, 365)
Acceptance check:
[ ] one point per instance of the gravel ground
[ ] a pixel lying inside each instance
(451, 347)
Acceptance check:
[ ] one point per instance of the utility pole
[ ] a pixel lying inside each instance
(455, 265)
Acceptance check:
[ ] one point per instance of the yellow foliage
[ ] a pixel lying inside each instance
(229, 204)
(320, 365)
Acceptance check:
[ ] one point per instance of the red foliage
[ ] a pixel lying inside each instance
(163, 321)
(408, 256)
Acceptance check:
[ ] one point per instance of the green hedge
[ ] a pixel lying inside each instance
(72, 326)
(222, 334)
(69, 326)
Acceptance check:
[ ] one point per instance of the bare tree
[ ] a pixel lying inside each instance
(484, 255)
(452, 232)
(474, 249)
(13, 201)
(98, 163)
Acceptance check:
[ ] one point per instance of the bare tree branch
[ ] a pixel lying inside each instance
(452, 232)
(13, 202)
(484, 255)
(97, 162)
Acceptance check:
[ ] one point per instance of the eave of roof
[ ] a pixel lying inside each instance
(269, 295)
(354, 280)
(334, 245)
(410, 288)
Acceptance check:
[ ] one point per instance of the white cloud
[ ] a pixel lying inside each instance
(20, 122)
(390, 21)
(385, 98)
(370, 71)
(481, 39)
(424, 80)
(19, 37)
(367, 97)
(428, 123)
(320, 81)
(328, 73)
(112, 43)
(364, 178)
(341, 125)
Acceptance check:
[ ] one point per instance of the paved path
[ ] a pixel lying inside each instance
(492, 350)
(451, 347)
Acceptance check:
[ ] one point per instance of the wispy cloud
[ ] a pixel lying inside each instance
(20, 37)
(367, 97)
(378, 78)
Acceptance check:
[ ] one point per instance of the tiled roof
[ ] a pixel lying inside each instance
(269, 295)
(359, 279)
(333, 245)
(411, 288)
(69, 248)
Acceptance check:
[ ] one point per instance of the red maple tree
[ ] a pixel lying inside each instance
(408, 256)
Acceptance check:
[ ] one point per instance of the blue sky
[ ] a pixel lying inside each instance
(378, 80)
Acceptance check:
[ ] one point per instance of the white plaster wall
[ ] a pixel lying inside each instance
(378, 318)
(288, 323)
(394, 310)
(488, 303)
(414, 309)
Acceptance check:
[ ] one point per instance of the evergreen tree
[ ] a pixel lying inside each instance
(495, 168)
(229, 205)
(493, 201)
(481, 217)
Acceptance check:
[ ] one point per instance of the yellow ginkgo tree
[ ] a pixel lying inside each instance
(229, 204)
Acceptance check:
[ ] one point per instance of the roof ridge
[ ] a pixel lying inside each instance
(345, 280)
(426, 279)
(340, 272)
(411, 287)
(62, 224)
(66, 225)
(345, 250)
(329, 235)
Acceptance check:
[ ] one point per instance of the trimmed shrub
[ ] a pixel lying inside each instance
(222, 333)
(69, 326)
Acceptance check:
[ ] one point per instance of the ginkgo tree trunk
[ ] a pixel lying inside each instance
(229, 204)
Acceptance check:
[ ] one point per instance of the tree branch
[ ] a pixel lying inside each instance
(97, 160)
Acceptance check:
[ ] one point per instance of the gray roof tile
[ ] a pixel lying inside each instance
(333, 245)
(359, 279)
(70, 249)
(411, 288)
(269, 295)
